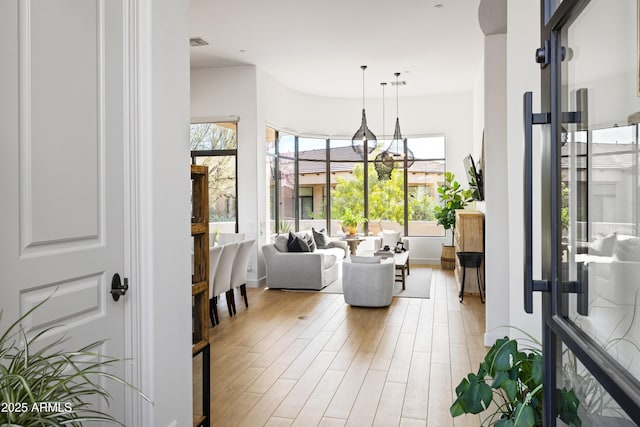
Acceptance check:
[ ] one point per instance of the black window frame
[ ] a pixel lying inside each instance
(221, 153)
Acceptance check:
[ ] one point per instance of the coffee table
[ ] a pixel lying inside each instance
(401, 261)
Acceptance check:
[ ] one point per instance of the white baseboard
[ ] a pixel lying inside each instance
(424, 261)
(257, 283)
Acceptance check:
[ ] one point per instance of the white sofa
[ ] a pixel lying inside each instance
(614, 268)
(303, 270)
(614, 291)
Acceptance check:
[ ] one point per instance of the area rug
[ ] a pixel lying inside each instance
(418, 285)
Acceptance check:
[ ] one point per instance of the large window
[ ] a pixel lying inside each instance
(346, 169)
(312, 173)
(424, 177)
(215, 145)
(386, 195)
(286, 187)
(270, 140)
(315, 181)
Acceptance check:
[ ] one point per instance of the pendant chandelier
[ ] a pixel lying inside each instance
(384, 159)
(363, 136)
(397, 145)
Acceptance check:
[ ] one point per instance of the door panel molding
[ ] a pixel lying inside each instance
(70, 303)
(61, 63)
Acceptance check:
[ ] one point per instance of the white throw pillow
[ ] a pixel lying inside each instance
(603, 245)
(281, 243)
(628, 249)
(390, 238)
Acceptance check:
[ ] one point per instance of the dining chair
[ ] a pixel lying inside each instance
(214, 260)
(222, 277)
(239, 271)
(224, 238)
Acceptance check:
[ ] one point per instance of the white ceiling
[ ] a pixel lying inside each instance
(318, 46)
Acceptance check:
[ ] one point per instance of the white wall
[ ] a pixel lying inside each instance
(232, 91)
(496, 185)
(523, 74)
(478, 126)
(164, 211)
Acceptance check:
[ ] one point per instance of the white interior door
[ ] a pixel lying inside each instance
(62, 138)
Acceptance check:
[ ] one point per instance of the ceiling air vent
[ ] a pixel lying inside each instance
(198, 41)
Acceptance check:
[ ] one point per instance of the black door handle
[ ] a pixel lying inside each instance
(530, 285)
(530, 119)
(117, 288)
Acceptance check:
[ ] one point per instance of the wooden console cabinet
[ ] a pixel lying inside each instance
(469, 237)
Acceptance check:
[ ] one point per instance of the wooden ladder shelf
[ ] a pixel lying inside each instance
(200, 284)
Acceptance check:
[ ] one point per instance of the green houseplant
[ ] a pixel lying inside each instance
(452, 197)
(41, 385)
(508, 385)
(350, 222)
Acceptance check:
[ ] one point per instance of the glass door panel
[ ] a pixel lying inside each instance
(600, 176)
(599, 212)
(597, 407)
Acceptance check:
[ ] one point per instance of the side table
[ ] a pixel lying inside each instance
(353, 243)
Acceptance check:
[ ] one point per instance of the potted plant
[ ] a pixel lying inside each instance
(452, 197)
(508, 385)
(350, 222)
(43, 385)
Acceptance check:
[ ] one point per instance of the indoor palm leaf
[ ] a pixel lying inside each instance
(42, 385)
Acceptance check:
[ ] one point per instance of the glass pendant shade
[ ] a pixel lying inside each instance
(382, 164)
(396, 148)
(363, 136)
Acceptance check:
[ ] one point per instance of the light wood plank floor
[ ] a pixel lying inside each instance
(308, 359)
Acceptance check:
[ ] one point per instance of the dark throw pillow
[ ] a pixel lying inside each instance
(321, 238)
(297, 243)
(293, 244)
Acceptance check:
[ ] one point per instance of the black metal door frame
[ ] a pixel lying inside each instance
(558, 330)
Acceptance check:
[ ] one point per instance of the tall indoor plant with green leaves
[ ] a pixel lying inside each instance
(42, 385)
(452, 197)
